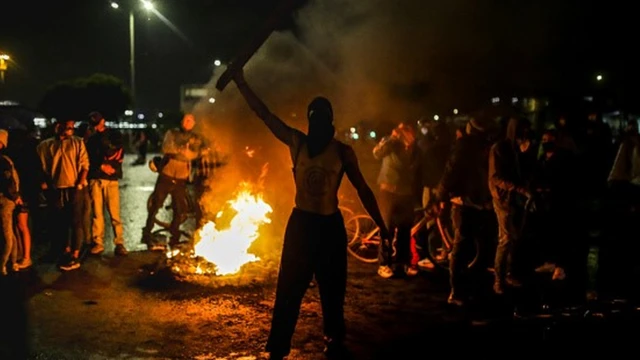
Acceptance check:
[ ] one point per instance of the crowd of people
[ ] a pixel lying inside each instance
(75, 178)
(486, 172)
(531, 188)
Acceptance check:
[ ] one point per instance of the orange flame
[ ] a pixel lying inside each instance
(228, 248)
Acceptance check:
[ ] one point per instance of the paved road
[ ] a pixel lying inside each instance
(135, 188)
(122, 308)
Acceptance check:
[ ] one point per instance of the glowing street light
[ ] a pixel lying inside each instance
(599, 77)
(455, 111)
(4, 58)
(212, 100)
(217, 62)
(147, 4)
(132, 53)
(436, 117)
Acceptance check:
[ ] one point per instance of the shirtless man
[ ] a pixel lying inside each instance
(315, 241)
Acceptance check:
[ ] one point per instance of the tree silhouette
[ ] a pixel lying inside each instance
(75, 99)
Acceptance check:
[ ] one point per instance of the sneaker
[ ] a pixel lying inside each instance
(411, 270)
(546, 267)
(335, 349)
(385, 272)
(120, 250)
(97, 249)
(25, 264)
(426, 264)
(152, 245)
(72, 264)
(558, 274)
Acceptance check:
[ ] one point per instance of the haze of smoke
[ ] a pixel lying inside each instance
(376, 60)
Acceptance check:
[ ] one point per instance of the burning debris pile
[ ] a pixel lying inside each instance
(223, 250)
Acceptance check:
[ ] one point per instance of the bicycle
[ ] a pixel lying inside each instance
(365, 241)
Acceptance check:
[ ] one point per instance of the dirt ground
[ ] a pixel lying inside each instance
(132, 308)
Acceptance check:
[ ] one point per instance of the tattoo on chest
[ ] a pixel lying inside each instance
(316, 181)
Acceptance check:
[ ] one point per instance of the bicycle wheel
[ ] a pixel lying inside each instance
(352, 227)
(364, 245)
(346, 213)
(440, 244)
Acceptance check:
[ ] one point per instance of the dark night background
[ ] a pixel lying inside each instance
(52, 41)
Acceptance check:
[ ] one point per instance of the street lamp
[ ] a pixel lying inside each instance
(599, 77)
(148, 5)
(4, 58)
(217, 62)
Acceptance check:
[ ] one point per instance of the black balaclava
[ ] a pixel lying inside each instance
(321, 130)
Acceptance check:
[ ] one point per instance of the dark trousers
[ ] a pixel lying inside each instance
(314, 245)
(398, 216)
(68, 211)
(469, 224)
(178, 191)
(200, 189)
(508, 260)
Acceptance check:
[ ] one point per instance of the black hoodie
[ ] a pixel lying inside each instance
(510, 168)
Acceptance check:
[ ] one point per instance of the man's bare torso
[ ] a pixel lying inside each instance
(317, 179)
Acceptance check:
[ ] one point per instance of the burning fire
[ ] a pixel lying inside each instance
(227, 249)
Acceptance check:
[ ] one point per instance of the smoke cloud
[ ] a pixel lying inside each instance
(376, 60)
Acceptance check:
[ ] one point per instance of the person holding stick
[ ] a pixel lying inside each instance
(315, 240)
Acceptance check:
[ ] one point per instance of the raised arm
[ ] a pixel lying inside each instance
(384, 147)
(352, 169)
(282, 131)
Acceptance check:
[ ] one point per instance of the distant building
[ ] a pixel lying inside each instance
(191, 94)
(14, 116)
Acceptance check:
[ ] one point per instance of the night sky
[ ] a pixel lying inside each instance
(52, 41)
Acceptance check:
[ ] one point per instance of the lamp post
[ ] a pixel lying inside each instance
(148, 5)
(4, 58)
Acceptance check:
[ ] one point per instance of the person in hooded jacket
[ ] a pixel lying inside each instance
(315, 240)
(510, 169)
(464, 186)
(398, 193)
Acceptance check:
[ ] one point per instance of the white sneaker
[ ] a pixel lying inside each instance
(385, 272)
(546, 267)
(426, 264)
(558, 274)
(410, 270)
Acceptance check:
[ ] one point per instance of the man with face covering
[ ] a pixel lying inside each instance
(181, 146)
(65, 166)
(315, 242)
